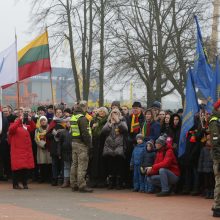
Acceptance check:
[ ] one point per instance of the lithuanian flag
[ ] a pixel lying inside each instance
(34, 58)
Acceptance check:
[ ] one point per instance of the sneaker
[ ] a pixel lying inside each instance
(163, 194)
(85, 190)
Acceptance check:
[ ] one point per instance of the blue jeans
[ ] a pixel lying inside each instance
(148, 186)
(138, 179)
(165, 179)
(66, 169)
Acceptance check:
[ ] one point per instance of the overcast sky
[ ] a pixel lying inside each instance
(14, 16)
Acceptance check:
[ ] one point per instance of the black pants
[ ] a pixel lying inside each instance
(115, 165)
(209, 181)
(45, 172)
(20, 176)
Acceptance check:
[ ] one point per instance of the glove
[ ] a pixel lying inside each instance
(143, 170)
(42, 144)
(54, 132)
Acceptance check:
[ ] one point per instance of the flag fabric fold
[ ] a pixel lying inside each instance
(34, 58)
(8, 65)
(203, 74)
(190, 109)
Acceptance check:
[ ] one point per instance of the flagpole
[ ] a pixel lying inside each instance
(18, 94)
(51, 81)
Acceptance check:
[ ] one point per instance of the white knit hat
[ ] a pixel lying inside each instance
(42, 118)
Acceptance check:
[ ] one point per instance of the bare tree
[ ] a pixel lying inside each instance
(63, 18)
(154, 41)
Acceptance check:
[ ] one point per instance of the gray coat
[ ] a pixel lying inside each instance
(115, 138)
(205, 161)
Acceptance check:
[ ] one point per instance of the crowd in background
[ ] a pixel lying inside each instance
(130, 148)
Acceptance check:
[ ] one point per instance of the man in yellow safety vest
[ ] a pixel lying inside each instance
(81, 148)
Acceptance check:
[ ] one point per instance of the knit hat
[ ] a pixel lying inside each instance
(151, 143)
(217, 104)
(42, 118)
(161, 140)
(140, 136)
(156, 104)
(116, 103)
(136, 104)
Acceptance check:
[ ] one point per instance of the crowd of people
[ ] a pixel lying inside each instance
(112, 148)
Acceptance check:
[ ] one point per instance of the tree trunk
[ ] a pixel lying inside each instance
(89, 60)
(84, 35)
(72, 54)
(102, 56)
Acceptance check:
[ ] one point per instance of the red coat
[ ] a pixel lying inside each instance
(21, 145)
(165, 158)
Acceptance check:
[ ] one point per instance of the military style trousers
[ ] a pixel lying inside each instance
(216, 166)
(79, 165)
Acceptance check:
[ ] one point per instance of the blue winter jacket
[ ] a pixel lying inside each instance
(136, 154)
(147, 158)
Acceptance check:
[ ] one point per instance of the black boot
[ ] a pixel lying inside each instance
(118, 183)
(54, 182)
(110, 182)
(216, 212)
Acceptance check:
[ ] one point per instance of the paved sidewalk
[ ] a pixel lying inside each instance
(44, 202)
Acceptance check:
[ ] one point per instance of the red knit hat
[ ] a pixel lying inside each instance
(217, 105)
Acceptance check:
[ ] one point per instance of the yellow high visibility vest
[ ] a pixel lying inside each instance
(74, 125)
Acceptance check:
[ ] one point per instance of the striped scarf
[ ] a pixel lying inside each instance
(135, 125)
(146, 129)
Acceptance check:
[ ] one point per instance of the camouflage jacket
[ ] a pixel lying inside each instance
(214, 127)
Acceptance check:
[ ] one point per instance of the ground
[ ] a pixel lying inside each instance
(44, 202)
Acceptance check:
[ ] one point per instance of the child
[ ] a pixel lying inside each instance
(147, 160)
(205, 167)
(65, 152)
(138, 179)
(43, 155)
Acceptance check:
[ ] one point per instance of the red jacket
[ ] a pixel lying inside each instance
(165, 158)
(21, 146)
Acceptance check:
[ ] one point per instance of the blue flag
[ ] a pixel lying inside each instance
(215, 87)
(202, 70)
(190, 109)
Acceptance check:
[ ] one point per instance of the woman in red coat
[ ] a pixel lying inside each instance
(21, 148)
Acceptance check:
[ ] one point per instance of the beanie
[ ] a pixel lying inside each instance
(42, 118)
(151, 143)
(140, 136)
(161, 140)
(156, 104)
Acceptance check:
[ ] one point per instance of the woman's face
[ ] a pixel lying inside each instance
(43, 122)
(59, 113)
(167, 119)
(148, 116)
(102, 114)
(162, 115)
(176, 121)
